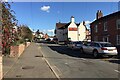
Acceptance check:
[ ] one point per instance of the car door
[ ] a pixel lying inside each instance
(71, 44)
(90, 47)
(86, 47)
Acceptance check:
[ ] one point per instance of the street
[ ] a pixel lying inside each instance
(71, 64)
(57, 61)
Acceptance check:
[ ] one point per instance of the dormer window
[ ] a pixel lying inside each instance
(105, 26)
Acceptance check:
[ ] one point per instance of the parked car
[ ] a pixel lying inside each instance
(99, 49)
(55, 40)
(48, 39)
(118, 48)
(75, 45)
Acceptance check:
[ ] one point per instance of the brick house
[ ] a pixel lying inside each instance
(106, 28)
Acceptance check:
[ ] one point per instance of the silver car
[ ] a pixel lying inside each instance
(75, 45)
(99, 48)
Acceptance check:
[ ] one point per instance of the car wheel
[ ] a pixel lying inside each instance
(95, 54)
(81, 50)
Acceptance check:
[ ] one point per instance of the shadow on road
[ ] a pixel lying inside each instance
(67, 51)
(76, 53)
(114, 61)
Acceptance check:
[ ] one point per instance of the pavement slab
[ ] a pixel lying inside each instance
(29, 65)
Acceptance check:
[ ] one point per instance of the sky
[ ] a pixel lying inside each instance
(45, 15)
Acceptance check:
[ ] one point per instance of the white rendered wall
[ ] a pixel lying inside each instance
(81, 32)
(72, 34)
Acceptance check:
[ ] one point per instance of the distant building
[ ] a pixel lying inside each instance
(106, 28)
(46, 36)
(70, 31)
(88, 35)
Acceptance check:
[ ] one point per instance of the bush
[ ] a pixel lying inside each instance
(16, 43)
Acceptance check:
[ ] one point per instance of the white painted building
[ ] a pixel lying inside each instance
(82, 31)
(71, 31)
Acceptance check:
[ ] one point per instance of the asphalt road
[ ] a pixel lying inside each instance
(67, 63)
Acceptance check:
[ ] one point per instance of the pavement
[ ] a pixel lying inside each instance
(29, 65)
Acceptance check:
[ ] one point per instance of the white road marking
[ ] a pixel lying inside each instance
(117, 71)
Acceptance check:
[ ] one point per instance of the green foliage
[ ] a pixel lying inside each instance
(18, 42)
(25, 33)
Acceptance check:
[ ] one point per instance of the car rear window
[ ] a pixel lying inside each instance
(106, 45)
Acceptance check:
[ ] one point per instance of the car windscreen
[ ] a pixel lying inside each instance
(106, 45)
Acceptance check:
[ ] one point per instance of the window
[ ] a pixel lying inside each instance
(118, 24)
(96, 45)
(105, 26)
(105, 39)
(106, 44)
(118, 39)
(96, 28)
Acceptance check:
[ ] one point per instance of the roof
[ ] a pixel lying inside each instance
(60, 25)
(64, 25)
(104, 17)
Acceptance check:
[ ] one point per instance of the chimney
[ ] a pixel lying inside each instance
(83, 22)
(99, 14)
(72, 19)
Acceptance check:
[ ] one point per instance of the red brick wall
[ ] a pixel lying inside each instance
(14, 51)
(112, 29)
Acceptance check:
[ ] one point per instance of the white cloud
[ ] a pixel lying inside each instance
(51, 30)
(45, 8)
(87, 22)
(48, 31)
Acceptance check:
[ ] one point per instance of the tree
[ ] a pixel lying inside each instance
(8, 20)
(25, 33)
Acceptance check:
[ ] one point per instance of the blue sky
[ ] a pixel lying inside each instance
(44, 15)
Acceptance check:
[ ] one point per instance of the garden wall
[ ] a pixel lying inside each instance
(16, 51)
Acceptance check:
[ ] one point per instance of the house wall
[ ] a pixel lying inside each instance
(81, 32)
(59, 35)
(111, 32)
(72, 34)
(65, 34)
